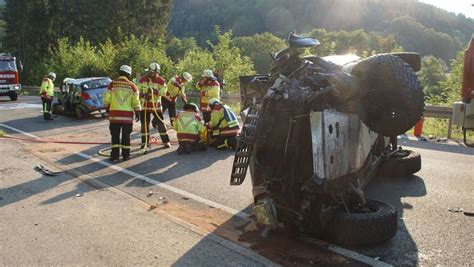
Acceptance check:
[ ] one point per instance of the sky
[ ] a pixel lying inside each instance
(456, 6)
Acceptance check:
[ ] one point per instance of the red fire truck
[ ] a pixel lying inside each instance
(9, 77)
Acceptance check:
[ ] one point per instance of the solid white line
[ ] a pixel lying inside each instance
(339, 250)
(19, 131)
(149, 180)
(166, 186)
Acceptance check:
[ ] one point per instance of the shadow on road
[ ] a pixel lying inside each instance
(402, 249)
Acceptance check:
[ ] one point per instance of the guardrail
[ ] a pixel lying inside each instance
(441, 113)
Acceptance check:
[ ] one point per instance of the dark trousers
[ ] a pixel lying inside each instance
(145, 119)
(171, 107)
(206, 116)
(126, 130)
(188, 147)
(223, 142)
(47, 115)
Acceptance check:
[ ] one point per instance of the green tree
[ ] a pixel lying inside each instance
(258, 48)
(453, 84)
(177, 48)
(195, 61)
(432, 75)
(228, 60)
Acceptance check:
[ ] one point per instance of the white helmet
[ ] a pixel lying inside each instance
(187, 76)
(213, 102)
(207, 74)
(155, 67)
(127, 69)
(52, 75)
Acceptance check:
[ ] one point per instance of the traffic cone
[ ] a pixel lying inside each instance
(419, 127)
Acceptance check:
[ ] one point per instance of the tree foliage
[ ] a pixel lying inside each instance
(33, 26)
(432, 75)
(430, 30)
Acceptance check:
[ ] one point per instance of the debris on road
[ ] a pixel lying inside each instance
(150, 194)
(455, 209)
(152, 207)
(79, 195)
(40, 168)
(470, 214)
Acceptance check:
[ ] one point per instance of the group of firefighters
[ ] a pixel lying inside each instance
(149, 97)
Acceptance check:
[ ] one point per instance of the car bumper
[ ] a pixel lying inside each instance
(6, 89)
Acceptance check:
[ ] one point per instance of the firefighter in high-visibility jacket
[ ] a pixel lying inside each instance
(47, 95)
(152, 88)
(176, 87)
(121, 103)
(189, 126)
(224, 126)
(210, 89)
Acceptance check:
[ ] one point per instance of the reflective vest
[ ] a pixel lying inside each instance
(121, 100)
(151, 90)
(47, 88)
(209, 89)
(176, 88)
(224, 122)
(189, 126)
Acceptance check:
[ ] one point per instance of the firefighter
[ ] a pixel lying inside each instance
(121, 102)
(210, 88)
(176, 86)
(152, 88)
(189, 126)
(47, 94)
(224, 126)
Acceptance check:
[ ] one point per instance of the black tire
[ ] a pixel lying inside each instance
(364, 228)
(402, 164)
(14, 96)
(393, 99)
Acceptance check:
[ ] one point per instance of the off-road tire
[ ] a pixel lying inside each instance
(393, 99)
(403, 164)
(364, 228)
(14, 96)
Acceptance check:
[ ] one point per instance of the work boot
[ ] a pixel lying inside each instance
(180, 149)
(113, 160)
(167, 145)
(144, 148)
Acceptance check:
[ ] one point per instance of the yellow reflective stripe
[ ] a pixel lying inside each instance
(121, 118)
(163, 134)
(126, 147)
(116, 146)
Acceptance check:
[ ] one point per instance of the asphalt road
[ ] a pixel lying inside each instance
(195, 188)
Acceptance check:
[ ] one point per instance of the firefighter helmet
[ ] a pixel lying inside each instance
(52, 75)
(207, 74)
(154, 67)
(126, 69)
(213, 102)
(187, 76)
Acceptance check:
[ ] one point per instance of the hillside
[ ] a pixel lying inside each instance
(416, 26)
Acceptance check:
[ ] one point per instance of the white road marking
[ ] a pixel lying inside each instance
(20, 106)
(339, 250)
(166, 186)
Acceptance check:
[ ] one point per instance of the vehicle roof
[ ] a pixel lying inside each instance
(82, 80)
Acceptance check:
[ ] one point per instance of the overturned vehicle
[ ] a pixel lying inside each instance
(317, 130)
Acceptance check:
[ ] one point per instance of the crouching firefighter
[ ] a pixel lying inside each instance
(152, 87)
(121, 102)
(176, 87)
(189, 126)
(47, 95)
(224, 126)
